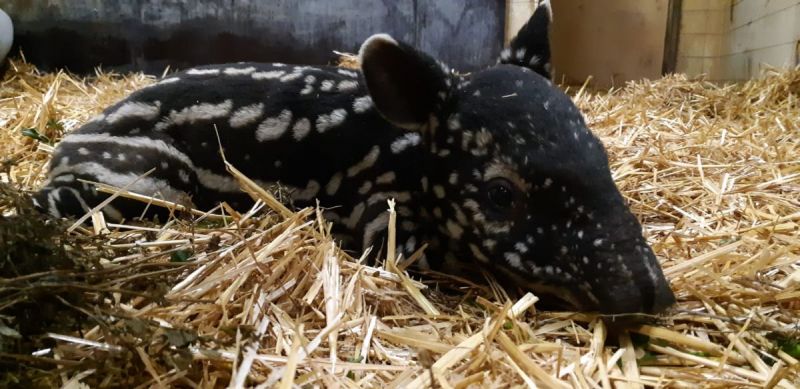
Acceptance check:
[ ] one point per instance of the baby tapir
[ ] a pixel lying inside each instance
(496, 168)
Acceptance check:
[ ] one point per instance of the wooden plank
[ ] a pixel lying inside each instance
(672, 37)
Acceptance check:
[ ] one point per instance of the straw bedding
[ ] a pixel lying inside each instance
(265, 298)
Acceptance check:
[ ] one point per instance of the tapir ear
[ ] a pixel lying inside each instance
(531, 47)
(406, 85)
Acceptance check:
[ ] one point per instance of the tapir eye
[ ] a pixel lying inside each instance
(501, 193)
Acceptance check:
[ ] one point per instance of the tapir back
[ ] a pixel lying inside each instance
(312, 129)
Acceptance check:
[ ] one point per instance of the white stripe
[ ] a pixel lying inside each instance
(146, 111)
(246, 115)
(130, 141)
(403, 142)
(373, 227)
(191, 114)
(273, 127)
(202, 72)
(366, 163)
(78, 197)
(52, 198)
(400, 197)
(307, 194)
(145, 185)
(270, 75)
(206, 178)
(239, 71)
(333, 185)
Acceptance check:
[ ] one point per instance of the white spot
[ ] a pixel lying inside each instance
(355, 216)
(403, 142)
(362, 104)
(580, 234)
(520, 54)
(310, 191)
(169, 80)
(505, 55)
(194, 113)
(454, 122)
(348, 73)
(521, 247)
(272, 128)
(309, 88)
(385, 178)
(301, 128)
(239, 71)
(335, 118)
(121, 157)
(202, 72)
(597, 242)
(514, 260)
(373, 227)
(438, 190)
(217, 182)
(135, 109)
(453, 179)
(400, 197)
(454, 230)
(83, 151)
(365, 188)
(292, 76)
(477, 253)
(333, 185)
(548, 182)
(269, 75)
(64, 178)
(326, 85)
(347, 85)
(246, 115)
(365, 163)
(535, 59)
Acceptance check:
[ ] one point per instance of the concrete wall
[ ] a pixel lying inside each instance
(152, 34)
(731, 40)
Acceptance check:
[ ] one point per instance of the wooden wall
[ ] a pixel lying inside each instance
(612, 41)
(152, 34)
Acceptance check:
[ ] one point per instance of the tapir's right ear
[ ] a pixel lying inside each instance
(406, 85)
(531, 47)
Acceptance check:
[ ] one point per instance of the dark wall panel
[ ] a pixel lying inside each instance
(151, 34)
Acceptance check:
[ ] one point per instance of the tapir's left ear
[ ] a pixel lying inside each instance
(406, 85)
(531, 47)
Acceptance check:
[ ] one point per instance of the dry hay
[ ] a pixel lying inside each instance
(266, 298)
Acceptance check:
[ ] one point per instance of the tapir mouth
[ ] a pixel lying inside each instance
(640, 293)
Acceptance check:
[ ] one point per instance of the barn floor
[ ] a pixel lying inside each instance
(203, 300)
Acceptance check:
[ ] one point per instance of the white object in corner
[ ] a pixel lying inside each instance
(6, 35)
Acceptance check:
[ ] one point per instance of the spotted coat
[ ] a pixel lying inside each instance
(496, 168)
